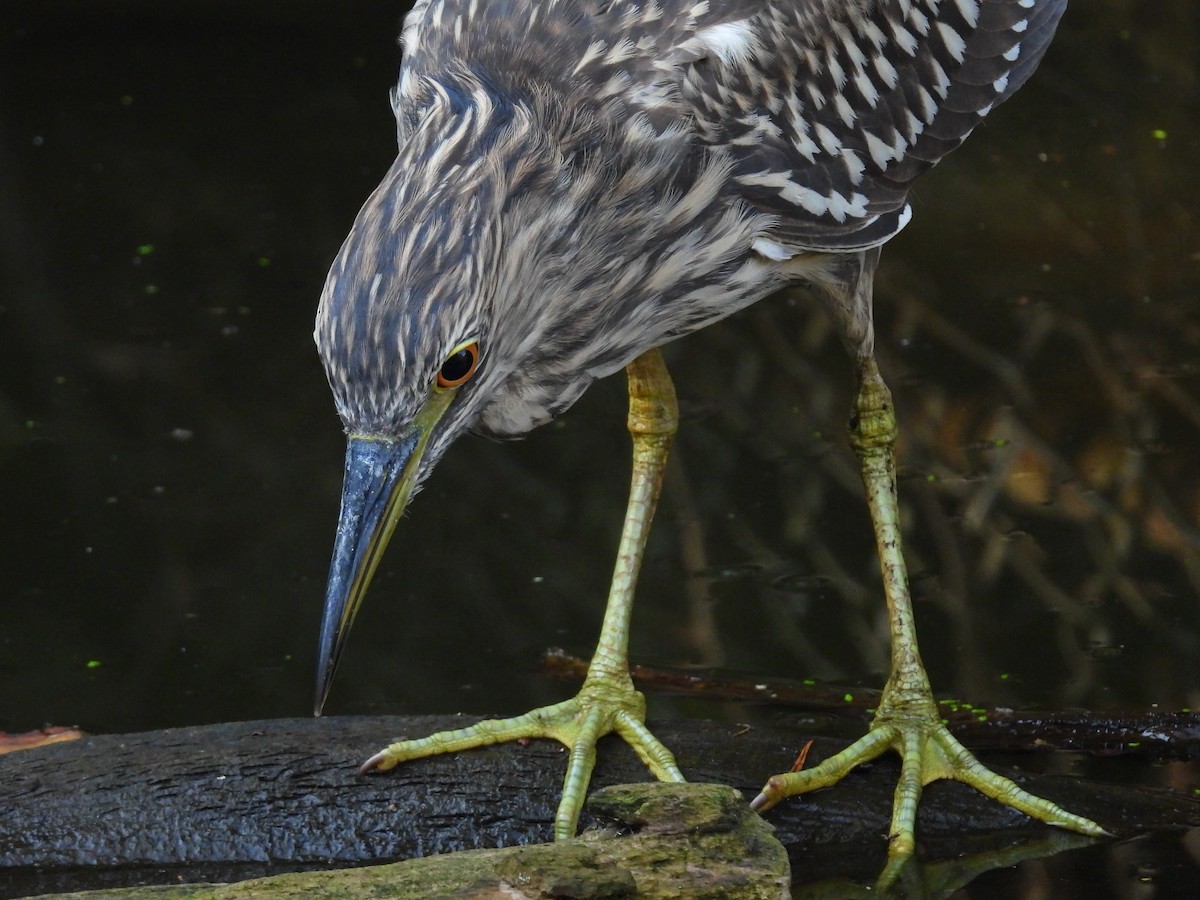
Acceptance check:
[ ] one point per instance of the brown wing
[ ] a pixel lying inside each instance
(830, 108)
(833, 107)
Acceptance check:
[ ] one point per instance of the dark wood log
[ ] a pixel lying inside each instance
(670, 840)
(228, 802)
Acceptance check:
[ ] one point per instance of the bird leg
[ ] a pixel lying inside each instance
(907, 718)
(608, 701)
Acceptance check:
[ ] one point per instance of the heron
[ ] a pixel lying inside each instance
(579, 182)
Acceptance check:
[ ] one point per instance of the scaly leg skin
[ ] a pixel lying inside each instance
(607, 702)
(907, 719)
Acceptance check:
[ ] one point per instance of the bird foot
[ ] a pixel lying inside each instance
(603, 705)
(928, 752)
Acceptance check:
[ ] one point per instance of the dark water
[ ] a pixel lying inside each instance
(174, 180)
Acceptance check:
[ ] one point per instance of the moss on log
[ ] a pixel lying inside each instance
(669, 841)
(232, 802)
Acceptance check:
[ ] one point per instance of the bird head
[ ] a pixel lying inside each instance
(514, 252)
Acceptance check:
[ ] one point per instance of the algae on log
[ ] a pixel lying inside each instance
(237, 801)
(688, 840)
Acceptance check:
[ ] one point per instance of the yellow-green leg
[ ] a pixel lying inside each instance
(607, 702)
(907, 719)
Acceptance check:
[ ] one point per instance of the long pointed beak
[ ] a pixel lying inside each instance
(379, 480)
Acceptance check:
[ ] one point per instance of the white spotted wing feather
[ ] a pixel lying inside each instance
(829, 108)
(832, 107)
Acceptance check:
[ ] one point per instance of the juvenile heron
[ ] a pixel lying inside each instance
(581, 181)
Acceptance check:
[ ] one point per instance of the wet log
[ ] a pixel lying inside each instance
(669, 840)
(236, 801)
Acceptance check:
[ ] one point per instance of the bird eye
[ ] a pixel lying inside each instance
(459, 366)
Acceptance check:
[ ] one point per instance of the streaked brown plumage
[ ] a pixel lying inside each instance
(608, 176)
(579, 182)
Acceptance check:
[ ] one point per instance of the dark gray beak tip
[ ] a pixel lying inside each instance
(374, 493)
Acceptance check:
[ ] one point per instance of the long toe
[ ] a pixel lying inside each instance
(578, 724)
(928, 752)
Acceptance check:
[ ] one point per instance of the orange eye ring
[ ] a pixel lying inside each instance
(459, 366)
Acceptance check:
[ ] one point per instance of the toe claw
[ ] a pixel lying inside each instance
(768, 796)
(374, 764)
